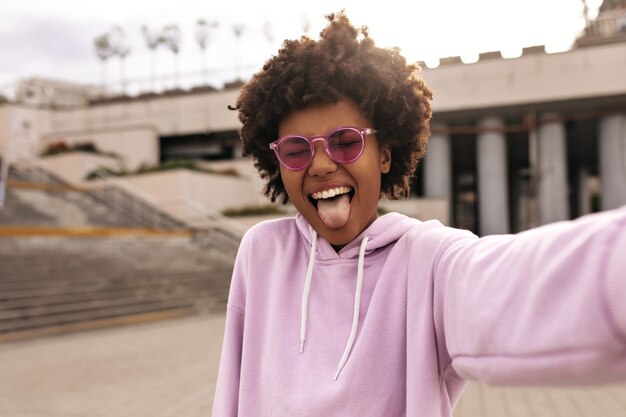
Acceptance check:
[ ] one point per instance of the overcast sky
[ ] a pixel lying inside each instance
(54, 39)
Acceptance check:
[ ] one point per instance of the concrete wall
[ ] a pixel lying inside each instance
(168, 115)
(245, 168)
(74, 166)
(130, 128)
(21, 128)
(533, 78)
(136, 146)
(216, 192)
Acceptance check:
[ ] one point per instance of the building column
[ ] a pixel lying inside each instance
(437, 165)
(553, 185)
(584, 192)
(493, 195)
(612, 153)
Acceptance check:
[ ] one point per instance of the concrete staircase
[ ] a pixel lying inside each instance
(62, 208)
(71, 261)
(52, 285)
(35, 197)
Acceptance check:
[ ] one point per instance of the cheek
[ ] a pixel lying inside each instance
(292, 182)
(369, 180)
(370, 170)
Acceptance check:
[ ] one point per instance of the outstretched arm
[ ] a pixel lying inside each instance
(547, 306)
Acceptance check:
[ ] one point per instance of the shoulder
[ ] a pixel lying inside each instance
(268, 231)
(271, 227)
(432, 240)
(432, 232)
(262, 243)
(410, 234)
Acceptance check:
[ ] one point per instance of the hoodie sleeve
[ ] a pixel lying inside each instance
(546, 306)
(226, 400)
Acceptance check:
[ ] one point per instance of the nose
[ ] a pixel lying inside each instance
(321, 164)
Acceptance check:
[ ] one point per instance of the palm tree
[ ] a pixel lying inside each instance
(171, 38)
(238, 29)
(306, 24)
(153, 40)
(268, 32)
(586, 14)
(121, 49)
(203, 38)
(104, 51)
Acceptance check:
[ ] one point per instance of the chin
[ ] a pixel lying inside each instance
(337, 237)
(340, 236)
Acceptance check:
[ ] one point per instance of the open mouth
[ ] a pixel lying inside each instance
(333, 205)
(332, 194)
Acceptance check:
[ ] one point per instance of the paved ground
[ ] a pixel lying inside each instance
(168, 369)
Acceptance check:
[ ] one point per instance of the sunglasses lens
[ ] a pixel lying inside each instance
(295, 152)
(345, 145)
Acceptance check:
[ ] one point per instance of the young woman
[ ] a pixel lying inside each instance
(339, 312)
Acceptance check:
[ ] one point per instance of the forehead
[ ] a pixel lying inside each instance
(323, 118)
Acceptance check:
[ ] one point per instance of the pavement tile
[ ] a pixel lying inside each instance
(168, 369)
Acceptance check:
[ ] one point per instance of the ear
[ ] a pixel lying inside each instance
(385, 159)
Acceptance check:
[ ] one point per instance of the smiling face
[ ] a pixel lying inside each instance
(337, 219)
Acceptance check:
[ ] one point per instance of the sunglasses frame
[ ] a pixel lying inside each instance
(363, 132)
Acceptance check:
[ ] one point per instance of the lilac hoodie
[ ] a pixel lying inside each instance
(395, 322)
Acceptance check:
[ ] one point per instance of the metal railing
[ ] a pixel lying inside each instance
(127, 198)
(209, 226)
(185, 211)
(116, 194)
(31, 170)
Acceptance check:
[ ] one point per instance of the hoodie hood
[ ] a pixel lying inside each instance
(383, 231)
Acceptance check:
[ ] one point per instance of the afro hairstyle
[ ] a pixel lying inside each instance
(343, 63)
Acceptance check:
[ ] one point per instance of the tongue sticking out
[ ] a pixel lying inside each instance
(334, 212)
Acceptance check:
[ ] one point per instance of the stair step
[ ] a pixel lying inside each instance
(94, 304)
(88, 315)
(59, 295)
(55, 284)
(86, 325)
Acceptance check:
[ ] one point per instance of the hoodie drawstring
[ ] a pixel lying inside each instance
(357, 301)
(305, 293)
(357, 308)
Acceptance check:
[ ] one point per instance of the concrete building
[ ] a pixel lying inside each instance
(522, 142)
(516, 142)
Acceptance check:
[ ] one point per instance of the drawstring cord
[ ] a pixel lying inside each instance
(357, 301)
(357, 308)
(305, 293)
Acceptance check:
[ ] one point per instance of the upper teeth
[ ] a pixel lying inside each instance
(330, 193)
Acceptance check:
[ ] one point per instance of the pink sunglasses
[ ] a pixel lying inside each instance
(343, 145)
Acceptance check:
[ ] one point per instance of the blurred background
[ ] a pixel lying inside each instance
(123, 193)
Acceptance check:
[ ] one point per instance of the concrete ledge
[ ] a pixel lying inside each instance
(43, 186)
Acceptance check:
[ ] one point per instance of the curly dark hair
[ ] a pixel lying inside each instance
(344, 63)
